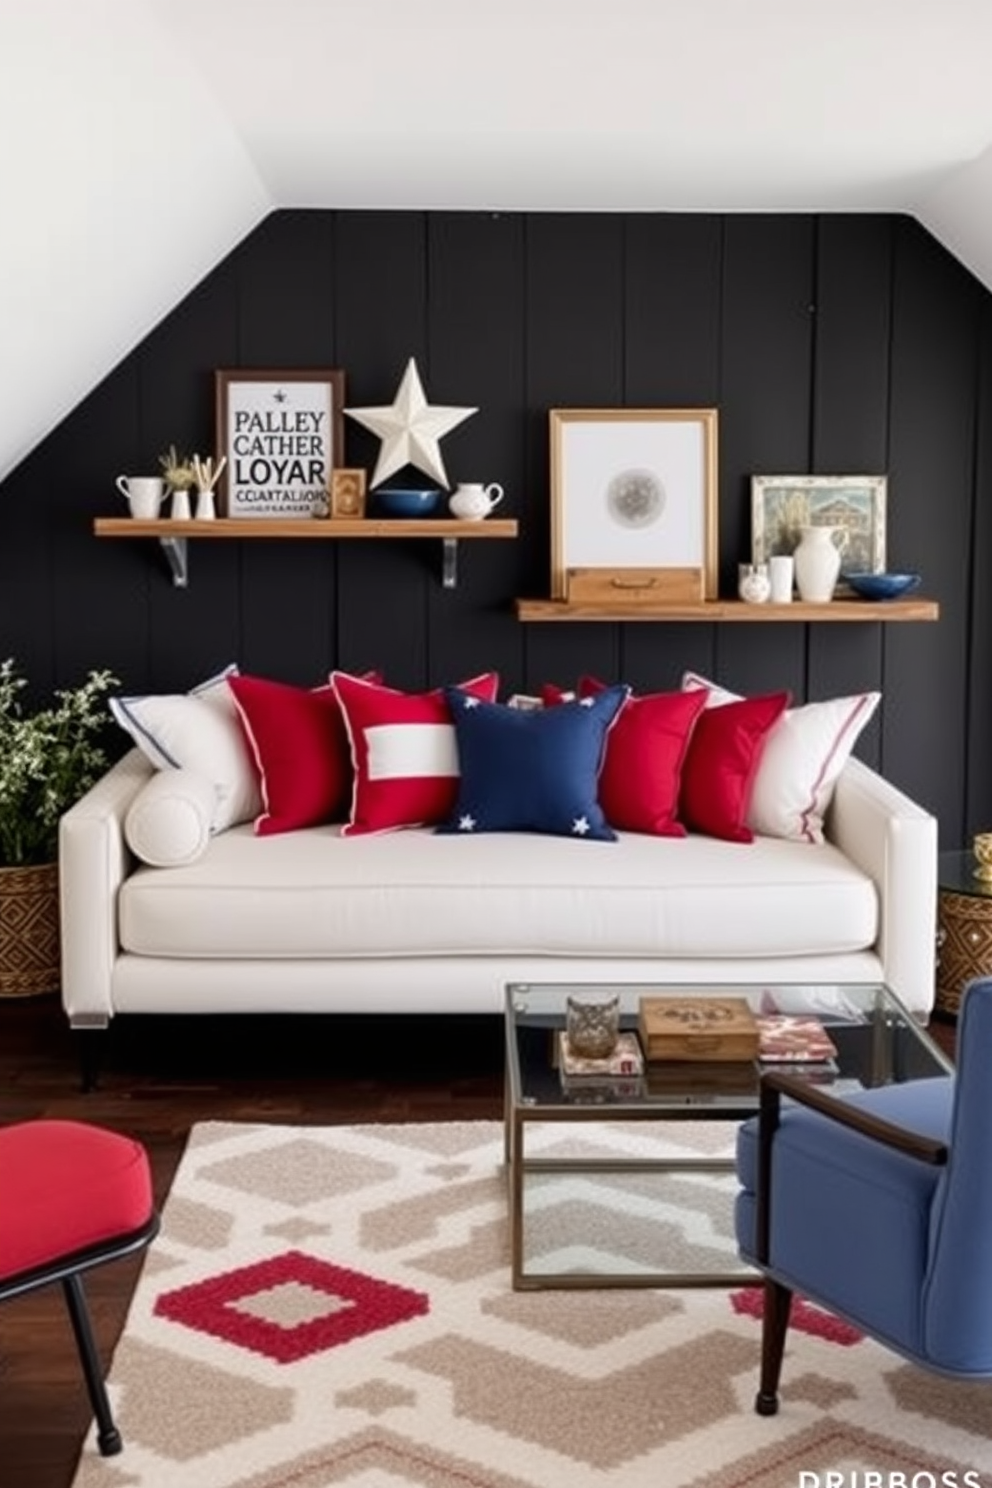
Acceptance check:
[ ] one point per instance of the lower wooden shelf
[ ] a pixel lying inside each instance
(722, 610)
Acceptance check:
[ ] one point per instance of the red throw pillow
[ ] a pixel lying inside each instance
(722, 762)
(645, 751)
(403, 752)
(297, 738)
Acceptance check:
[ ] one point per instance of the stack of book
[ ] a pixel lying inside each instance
(618, 1076)
(797, 1042)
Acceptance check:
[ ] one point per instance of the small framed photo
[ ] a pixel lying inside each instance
(347, 492)
(283, 435)
(781, 505)
(633, 504)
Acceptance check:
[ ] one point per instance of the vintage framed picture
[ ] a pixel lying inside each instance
(283, 434)
(781, 505)
(633, 504)
(347, 493)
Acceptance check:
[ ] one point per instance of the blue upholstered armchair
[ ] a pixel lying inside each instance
(878, 1206)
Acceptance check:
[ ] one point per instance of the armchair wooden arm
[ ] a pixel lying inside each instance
(774, 1084)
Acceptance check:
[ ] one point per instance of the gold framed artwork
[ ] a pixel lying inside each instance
(781, 505)
(347, 492)
(633, 504)
(283, 434)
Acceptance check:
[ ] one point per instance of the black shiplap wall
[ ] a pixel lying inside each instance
(829, 344)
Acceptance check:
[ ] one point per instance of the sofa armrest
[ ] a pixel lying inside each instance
(893, 840)
(94, 860)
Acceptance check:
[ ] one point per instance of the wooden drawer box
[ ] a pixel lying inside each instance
(691, 1028)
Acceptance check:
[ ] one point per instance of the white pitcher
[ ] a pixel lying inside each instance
(818, 562)
(143, 493)
(473, 501)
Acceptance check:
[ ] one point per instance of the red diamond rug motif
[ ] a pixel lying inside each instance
(355, 1305)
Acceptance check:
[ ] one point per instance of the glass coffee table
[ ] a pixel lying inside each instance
(629, 1182)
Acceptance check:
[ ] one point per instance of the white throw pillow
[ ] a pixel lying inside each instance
(170, 819)
(200, 731)
(804, 754)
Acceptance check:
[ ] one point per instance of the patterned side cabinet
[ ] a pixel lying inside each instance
(964, 928)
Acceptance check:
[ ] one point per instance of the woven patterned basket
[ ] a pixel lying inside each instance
(29, 930)
(964, 946)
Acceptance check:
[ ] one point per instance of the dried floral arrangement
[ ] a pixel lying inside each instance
(177, 470)
(208, 472)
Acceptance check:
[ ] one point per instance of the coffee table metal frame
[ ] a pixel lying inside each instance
(879, 1042)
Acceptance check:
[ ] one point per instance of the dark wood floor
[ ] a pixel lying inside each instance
(161, 1076)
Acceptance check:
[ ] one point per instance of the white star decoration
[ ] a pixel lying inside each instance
(580, 826)
(466, 823)
(470, 702)
(410, 429)
(586, 702)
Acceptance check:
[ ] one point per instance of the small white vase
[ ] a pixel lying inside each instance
(818, 562)
(179, 510)
(753, 583)
(205, 509)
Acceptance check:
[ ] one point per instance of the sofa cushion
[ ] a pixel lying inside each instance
(645, 750)
(721, 765)
(803, 756)
(170, 819)
(297, 738)
(403, 752)
(198, 730)
(531, 770)
(314, 893)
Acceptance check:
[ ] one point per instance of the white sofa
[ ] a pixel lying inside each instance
(411, 921)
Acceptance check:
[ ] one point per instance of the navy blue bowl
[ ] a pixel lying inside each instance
(407, 501)
(882, 585)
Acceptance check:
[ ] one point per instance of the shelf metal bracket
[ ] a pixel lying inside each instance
(449, 562)
(175, 550)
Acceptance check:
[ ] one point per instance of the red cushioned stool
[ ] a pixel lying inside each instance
(72, 1196)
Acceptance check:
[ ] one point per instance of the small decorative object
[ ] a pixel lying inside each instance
(708, 1028)
(982, 848)
(48, 759)
(633, 505)
(179, 476)
(143, 493)
(592, 1024)
(881, 586)
(207, 473)
(754, 585)
(782, 576)
(472, 502)
(817, 561)
(782, 505)
(347, 493)
(410, 429)
(407, 501)
(282, 434)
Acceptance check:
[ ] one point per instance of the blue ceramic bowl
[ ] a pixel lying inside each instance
(406, 501)
(882, 585)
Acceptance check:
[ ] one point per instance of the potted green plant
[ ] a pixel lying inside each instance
(48, 759)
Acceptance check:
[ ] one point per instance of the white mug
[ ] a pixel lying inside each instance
(781, 572)
(472, 500)
(143, 493)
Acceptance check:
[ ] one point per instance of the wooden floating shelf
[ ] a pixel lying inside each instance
(722, 610)
(304, 527)
(173, 534)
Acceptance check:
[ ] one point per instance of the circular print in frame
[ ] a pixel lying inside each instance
(635, 498)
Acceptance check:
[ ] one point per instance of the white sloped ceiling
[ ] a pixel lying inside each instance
(140, 140)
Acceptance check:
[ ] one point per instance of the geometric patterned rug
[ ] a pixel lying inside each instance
(331, 1306)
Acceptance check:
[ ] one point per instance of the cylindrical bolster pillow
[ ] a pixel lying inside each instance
(168, 822)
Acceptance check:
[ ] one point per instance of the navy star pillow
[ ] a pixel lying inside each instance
(531, 770)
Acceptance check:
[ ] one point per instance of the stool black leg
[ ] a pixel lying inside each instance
(778, 1304)
(108, 1437)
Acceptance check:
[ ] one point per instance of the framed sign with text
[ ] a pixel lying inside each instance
(283, 434)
